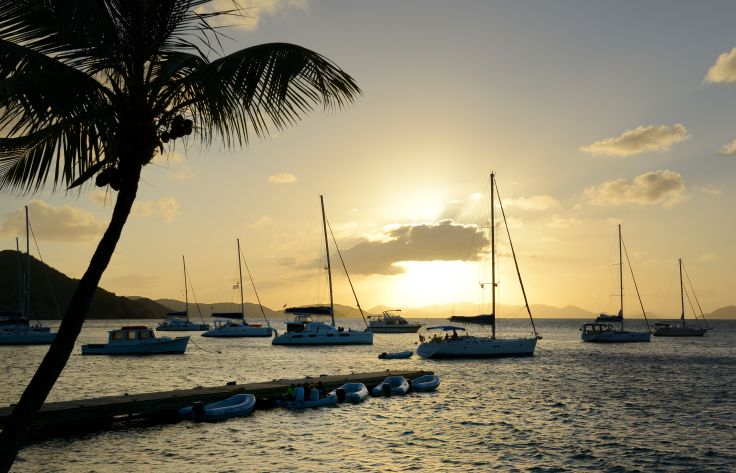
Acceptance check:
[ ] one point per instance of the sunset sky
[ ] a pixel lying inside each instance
(591, 114)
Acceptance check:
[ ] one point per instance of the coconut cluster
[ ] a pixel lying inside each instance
(180, 126)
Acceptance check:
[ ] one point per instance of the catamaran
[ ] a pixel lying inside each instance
(303, 330)
(468, 346)
(179, 321)
(605, 332)
(662, 329)
(15, 326)
(233, 324)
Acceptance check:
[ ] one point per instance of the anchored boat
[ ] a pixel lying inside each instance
(468, 346)
(391, 323)
(179, 321)
(136, 340)
(662, 329)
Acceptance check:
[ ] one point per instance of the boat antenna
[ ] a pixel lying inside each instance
(255, 292)
(641, 304)
(348, 275)
(516, 263)
(493, 258)
(186, 292)
(329, 266)
(240, 283)
(692, 289)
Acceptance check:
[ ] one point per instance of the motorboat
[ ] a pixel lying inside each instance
(469, 346)
(391, 323)
(233, 324)
(603, 330)
(239, 405)
(391, 386)
(425, 383)
(352, 392)
(482, 319)
(400, 355)
(664, 329)
(304, 331)
(179, 321)
(329, 400)
(136, 340)
(607, 333)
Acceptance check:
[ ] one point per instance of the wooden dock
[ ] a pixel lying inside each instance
(84, 415)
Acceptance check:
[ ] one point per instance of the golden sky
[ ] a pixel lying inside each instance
(590, 114)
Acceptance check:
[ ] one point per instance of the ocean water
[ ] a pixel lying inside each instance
(668, 405)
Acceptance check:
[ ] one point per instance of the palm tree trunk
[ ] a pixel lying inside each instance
(15, 430)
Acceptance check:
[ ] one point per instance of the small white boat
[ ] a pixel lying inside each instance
(329, 400)
(391, 386)
(391, 323)
(238, 405)
(664, 329)
(426, 383)
(400, 355)
(352, 392)
(136, 340)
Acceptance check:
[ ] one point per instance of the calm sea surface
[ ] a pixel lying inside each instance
(668, 405)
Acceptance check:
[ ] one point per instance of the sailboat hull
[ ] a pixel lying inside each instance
(325, 338)
(239, 331)
(26, 337)
(617, 336)
(477, 347)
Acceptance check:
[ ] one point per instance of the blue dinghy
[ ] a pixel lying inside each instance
(235, 406)
(401, 355)
(391, 386)
(352, 392)
(329, 400)
(428, 382)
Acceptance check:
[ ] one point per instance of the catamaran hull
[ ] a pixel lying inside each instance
(27, 338)
(183, 328)
(616, 337)
(680, 332)
(470, 347)
(175, 346)
(341, 338)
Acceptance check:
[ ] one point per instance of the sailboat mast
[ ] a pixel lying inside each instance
(682, 296)
(621, 277)
(327, 250)
(493, 257)
(27, 287)
(240, 283)
(186, 294)
(20, 277)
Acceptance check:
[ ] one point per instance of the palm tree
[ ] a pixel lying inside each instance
(96, 88)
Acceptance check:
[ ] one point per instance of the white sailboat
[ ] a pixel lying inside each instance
(662, 329)
(469, 346)
(305, 331)
(233, 324)
(16, 327)
(604, 332)
(179, 321)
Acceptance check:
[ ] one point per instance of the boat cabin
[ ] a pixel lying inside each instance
(130, 333)
(597, 328)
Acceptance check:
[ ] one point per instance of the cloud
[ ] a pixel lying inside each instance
(709, 256)
(166, 208)
(535, 202)
(709, 189)
(50, 223)
(724, 69)
(263, 221)
(728, 149)
(283, 178)
(639, 140)
(564, 222)
(251, 12)
(176, 164)
(444, 240)
(100, 197)
(664, 188)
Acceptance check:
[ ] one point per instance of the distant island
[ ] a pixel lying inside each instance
(108, 305)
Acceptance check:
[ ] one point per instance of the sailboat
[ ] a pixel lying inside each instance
(303, 330)
(606, 332)
(15, 327)
(468, 346)
(179, 321)
(662, 329)
(233, 324)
